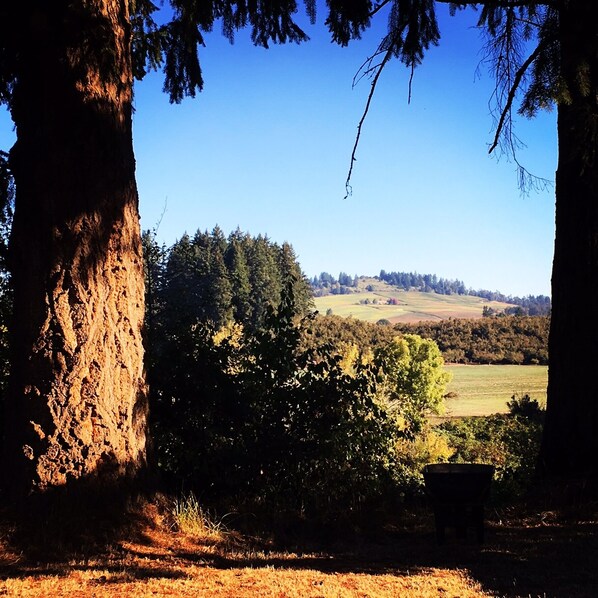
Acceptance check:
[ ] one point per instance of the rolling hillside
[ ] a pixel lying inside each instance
(411, 306)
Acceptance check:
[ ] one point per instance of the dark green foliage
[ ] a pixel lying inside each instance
(323, 442)
(337, 331)
(173, 46)
(209, 279)
(197, 417)
(237, 263)
(412, 29)
(348, 21)
(508, 442)
(259, 418)
(526, 407)
(505, 340)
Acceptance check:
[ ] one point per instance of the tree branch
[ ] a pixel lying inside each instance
(381, 66)
(379, 7)
(363, 72)
(511, 96)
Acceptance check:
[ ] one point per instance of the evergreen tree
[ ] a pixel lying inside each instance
(291, 270)
(264, 277)
(219, 292)
(154, 259)
(236, 262)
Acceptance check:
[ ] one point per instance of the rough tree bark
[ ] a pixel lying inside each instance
(77, 404)
(570, 442)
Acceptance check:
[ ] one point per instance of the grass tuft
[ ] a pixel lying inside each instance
(190, 518)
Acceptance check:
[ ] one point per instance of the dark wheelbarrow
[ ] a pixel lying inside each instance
(458, 492)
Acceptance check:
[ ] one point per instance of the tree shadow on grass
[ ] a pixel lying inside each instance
(532, 553)
(542, 555)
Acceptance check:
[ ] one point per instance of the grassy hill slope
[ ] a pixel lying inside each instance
(412, 306)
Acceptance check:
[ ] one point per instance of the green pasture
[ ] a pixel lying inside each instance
(412, 306)
(485, 389)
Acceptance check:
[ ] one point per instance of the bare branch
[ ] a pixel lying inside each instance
(363, 72)
(529, 181)
(411, 82)
(379, 7)
(511, 96)
(387, 57)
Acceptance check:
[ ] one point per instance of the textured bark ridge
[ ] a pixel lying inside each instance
(77, 406)
(90, 415)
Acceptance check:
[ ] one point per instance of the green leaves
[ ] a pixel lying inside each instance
(414, 379)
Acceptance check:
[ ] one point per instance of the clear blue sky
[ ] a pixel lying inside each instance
(266, 148)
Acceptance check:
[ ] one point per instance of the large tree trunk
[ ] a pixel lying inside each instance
(76, 411)
(570, 443)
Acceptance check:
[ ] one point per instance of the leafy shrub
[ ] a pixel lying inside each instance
(508, 442)
(412, 454)
(257, 416)
(525, 406)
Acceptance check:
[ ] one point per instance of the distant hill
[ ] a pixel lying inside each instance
(495, 302)
(373, 300)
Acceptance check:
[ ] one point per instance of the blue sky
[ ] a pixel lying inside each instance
(266, 148)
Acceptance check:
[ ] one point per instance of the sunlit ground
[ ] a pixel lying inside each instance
(535, 555)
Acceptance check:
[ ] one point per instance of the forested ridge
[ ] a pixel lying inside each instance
(532, 305)
(214, 280)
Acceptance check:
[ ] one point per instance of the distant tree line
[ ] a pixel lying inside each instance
(427, 283)
(538, 305)
(520, 340)
(325, 284)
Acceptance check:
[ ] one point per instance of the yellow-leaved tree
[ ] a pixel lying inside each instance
(414, 379)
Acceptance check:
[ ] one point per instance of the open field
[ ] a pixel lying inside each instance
(485, 389)
(412, 306)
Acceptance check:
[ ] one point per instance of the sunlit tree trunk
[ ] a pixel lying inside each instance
(76, 411)
(570, 444)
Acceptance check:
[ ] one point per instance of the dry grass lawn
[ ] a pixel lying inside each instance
(540, 555)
